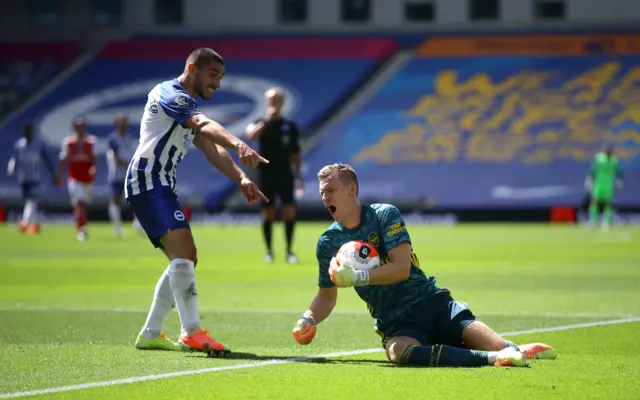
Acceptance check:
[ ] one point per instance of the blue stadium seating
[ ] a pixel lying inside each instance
(317, 73)
(490, 131)
(445, 131)
(27, 66)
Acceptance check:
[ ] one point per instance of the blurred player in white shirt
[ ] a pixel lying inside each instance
(121, 150)
(25, 163)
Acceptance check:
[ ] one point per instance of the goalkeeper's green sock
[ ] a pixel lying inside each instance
(443, 356)
(593, 214)
(607, 214)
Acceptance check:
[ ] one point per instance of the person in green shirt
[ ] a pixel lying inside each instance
(603, 179)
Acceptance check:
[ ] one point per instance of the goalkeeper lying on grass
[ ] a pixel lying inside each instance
(420, 324)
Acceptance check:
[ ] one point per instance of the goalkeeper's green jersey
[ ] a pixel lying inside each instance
(604, 170)
(382, 226)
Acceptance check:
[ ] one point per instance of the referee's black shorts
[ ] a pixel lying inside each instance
(276, 184)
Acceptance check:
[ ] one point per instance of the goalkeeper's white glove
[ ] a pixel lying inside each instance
(305, 330)
(347, 276)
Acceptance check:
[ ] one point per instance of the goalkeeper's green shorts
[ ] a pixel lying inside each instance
(602, 194)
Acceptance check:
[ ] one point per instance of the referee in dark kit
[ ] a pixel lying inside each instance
(278, 143)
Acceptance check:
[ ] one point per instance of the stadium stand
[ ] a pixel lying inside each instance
(317, 73)
(26, 67)
(463, 122)
(493, 123)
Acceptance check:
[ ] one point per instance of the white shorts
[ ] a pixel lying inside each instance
(79, 192)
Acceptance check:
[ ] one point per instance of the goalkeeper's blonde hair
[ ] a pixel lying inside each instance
(345, 173)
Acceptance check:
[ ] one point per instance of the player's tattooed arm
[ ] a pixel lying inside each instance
(212, 131)
(219, 158)
(398, 268)
(222, 161)
(217, 134)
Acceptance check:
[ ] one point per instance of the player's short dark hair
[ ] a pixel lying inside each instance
(204, 56)
(345, 172)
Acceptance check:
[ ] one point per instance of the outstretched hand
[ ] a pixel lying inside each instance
(249, 157)
(250, 191)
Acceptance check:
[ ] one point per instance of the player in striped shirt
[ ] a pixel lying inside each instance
(171, 122)
(28, 153)
(121, 149)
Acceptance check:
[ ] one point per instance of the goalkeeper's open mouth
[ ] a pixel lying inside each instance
(332, 209)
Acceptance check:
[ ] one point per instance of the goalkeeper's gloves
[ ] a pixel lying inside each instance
(346, 276)
(305, 330)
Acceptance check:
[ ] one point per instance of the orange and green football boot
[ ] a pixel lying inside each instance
(201, 340)
(538, 351)
(162, 342)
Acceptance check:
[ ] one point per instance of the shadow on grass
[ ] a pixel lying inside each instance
(320, 360)
(311, 360)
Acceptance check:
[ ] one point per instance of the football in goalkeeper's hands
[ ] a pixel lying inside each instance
(358, 254)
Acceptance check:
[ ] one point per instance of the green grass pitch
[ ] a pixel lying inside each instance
(69, 313)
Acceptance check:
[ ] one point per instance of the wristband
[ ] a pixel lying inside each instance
(361, 277)
(309, 319)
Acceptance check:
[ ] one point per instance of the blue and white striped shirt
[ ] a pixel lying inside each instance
(164, 140)
(28, 156)
(123, 147)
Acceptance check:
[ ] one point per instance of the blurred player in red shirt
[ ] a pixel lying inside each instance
(78, 152)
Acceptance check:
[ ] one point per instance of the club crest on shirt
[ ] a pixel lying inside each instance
(181, 102)
(373, 239)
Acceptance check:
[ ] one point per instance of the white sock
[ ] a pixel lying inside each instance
(28, 210)
(160, 307)
(114, 214)
(492, 356)
(136, 224)
(182, 278)
(33, 217)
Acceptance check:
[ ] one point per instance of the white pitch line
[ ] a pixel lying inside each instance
(274, 311)
(573, 326)
(176, 374)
